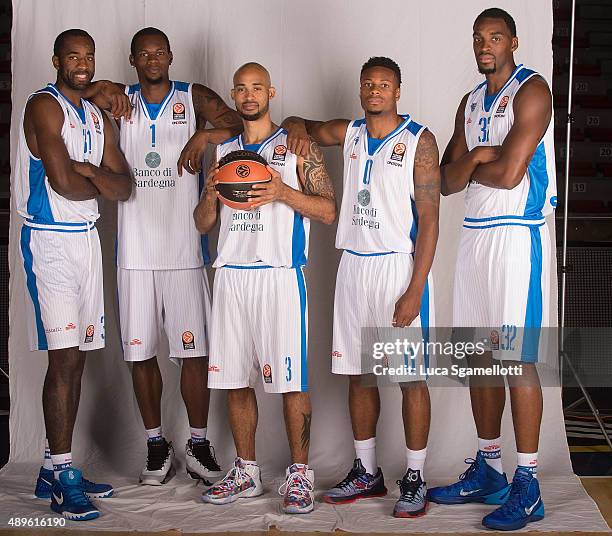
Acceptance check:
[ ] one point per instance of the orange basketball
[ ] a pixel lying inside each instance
(238, 172)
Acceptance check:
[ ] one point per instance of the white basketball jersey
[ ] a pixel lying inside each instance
(271, 235)
(83, 135)
(378, 212)
(156, 230)
(536, 195)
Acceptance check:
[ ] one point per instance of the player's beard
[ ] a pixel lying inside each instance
(76, 86)
(489, 70)
(374, 112)
(257, 115)
(154, 81)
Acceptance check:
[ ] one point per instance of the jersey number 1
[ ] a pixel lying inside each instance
(152, 135)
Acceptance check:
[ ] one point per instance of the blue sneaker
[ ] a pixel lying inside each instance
(357, 485)
(68, 497)
(523, 506)
(91, 489)
(480, 483)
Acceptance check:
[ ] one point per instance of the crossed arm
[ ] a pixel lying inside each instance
(499, 166)
(77, 181)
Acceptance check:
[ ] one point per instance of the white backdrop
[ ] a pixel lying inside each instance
(313, 50)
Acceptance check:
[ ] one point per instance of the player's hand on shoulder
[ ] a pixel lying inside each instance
(84, 168)
(211, 182)
(112, 98)
(407, 308)
(270, 191)
(298, 140)
(192, 154)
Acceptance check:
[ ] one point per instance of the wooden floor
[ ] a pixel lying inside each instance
(598, 488)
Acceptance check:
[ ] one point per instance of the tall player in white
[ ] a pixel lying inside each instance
(502, 150)
(67, 156)
(259, 318)
(388, 229)
(161, 279)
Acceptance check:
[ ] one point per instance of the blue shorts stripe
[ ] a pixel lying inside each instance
(26, 234)
(303, 349)
(533, 313)
(424, 314)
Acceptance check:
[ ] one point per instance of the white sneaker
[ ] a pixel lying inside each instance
(159, 463)
(298, 490)
(201, 462)
(241, 481)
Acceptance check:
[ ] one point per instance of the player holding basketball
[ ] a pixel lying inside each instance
(67, 156)
(391, 182)
(261, 253)
(161, 279)
(502, 150)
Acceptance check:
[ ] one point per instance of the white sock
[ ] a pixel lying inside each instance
(366, 451)
(154, 434)
(528, 461)
(248, 462)
(47, 463)
(61, 462)
(490, 449)
(198, 435)
(415, 460)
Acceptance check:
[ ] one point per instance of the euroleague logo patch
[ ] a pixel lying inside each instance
(494, 340)
(267, 373)
(243, 171)
(96, 122)
(502, 104)
(89, 333)
(178, 111)
(188, 341)
(279, 153)
(398, 152)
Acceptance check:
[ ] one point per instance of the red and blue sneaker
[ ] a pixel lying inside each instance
(68, 498)
(242, 481)
(44, 482)
(524, 505)
(358, 484)
(480, 483)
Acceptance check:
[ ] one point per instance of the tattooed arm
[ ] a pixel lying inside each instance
(209, 107)
(427, 199)
(316, 201)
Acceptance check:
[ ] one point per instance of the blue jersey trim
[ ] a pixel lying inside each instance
(533, 225)
(358, 122)
(298, 241)
(80, 111)
(181, 86)
(414, 127)
(488, 101)
(524, 74)
(415, 222)
(373, 144)
(538, 182)
(38, 205)
(392, 134)
(512, 76)
(533, 313)
(234, 138)
(26, 235)
(133, 89)
(368, 254)
(303, 336)
(151, 110)
(264, 143)
(254, 147)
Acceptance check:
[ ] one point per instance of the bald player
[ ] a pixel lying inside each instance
(261, 255)
(388, 229)
(67, 157)
(502, 151)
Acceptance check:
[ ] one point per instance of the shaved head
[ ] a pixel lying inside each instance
(253, 68)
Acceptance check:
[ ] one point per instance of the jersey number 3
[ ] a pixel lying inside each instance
(484, 128)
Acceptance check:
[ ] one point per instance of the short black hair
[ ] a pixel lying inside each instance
(497, 13)
(382, 61)
(73, 32)
(147, 31)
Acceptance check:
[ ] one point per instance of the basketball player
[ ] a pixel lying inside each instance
(261, 253)
(161, 278)
(66, 157)
(502, 150)
(391, 182)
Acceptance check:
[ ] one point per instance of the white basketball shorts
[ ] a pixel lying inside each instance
(63, 275)
(502, 285)
(259, 328)
(177, 301)
(367, 289)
